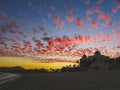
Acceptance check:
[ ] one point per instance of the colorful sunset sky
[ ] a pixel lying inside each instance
(54, 33)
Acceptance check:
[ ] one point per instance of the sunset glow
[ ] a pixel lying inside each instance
(55, 33)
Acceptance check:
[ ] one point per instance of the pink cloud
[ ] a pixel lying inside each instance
(90, 11)
(27, 43)
(30, 4)
(114, 10)
(116, 32)
(69, 10)
(79, 23)
(43, 30)
(88, 18)
(39, 45)
(87, 38)
(98, 10)
(70, 19)
(56, 46)
(80, 39)
(50, 46)
(118, 5)
(49, 15)
(106, 17)
(62, 24)
(112, 23)
(15, 25)
(107, 38)
(4, 15)
(69, 16)
(100, 2)
(94, 23)
(56, 20)
(44, 22)
(4, 31)
(52, 8)
(95, 10)
(87, 2)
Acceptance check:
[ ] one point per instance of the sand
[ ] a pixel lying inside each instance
(92, 80)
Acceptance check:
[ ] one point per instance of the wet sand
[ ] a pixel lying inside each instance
(92, 80)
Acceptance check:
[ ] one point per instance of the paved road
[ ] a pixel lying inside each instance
(105, 80)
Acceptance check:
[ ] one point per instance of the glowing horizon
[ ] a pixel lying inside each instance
(29, 64)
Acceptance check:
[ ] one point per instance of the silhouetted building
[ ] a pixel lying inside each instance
(84, 58)
(97, 61)
(97, 53)
(84, 63)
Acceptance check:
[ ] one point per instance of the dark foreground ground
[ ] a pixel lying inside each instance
(101, 80)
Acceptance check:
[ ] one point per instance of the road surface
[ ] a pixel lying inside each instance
(101, 80)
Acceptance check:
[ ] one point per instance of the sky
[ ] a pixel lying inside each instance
(57, 32)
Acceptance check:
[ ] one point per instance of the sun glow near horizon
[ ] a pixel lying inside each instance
(30, 64)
